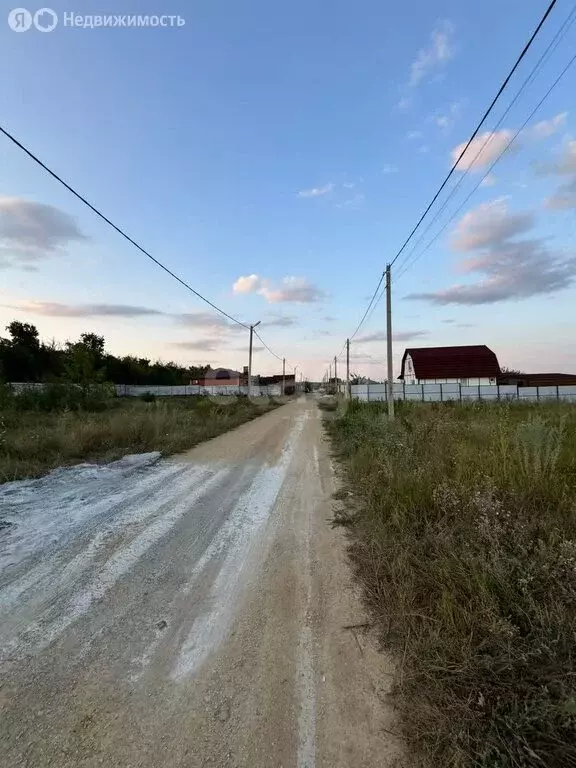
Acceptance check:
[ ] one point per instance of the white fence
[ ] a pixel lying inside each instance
(135, 390)
(462, 393)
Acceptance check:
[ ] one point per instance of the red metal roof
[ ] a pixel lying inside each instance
(452, 362)
(537, 379)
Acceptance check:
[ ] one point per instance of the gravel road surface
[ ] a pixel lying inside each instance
(192, 611)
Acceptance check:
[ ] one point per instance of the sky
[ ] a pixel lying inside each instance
(276, 156)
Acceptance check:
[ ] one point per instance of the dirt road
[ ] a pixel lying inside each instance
(188, 612)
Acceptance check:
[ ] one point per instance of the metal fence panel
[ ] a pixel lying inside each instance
(470, 392)
(528, 393)
(489, 392)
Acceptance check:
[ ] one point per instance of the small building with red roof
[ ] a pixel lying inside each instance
(467, 365)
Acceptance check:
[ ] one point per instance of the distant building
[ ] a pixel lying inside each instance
(277, 379)
(468, 365)
(538, 379)
(222, 376)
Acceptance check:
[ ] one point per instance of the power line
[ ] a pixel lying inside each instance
(476, 130)
(127, 237)
(523, 53)
(266, 346)
(534, 72)
(120, 231)
(409, 264)
(554, 43)
(368, 307)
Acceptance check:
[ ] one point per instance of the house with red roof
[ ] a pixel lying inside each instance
(467, 365)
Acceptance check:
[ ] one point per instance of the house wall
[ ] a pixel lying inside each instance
(473, 382)
(409, 375)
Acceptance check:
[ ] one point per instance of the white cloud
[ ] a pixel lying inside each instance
(55, 309)
(564, 197)
(483, 150)
(429, 60)
(404, 104)
(208, 320)
(291, 289)
(546, 128)
(445, 119)
(489, 180)
(512, 269)
(489, 224)
(565, 165)
(280, 321)
(317, 191)
(354, 202)
(389, 169)
(349, 184)
(203, 345)
(396, 336)
(31, 232)
(247, 284)
(412, 135)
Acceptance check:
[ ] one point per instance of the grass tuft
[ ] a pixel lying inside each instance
(32, 442)
(464, 538)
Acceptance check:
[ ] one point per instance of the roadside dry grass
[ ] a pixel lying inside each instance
(464, 537)
(32, 442)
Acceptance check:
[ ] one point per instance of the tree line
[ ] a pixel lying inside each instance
(25, 358)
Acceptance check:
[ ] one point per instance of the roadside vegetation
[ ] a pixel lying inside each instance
(66, 424)
(463, 525)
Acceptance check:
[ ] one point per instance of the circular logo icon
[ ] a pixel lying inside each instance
(45, 19)
(19, 20)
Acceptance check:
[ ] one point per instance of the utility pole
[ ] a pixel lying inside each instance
(250, 359)
(336, 375)
(283, 376)
(389, 344)
(329, 377)
(348, 393)
(295, 387)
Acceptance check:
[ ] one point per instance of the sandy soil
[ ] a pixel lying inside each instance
(189, 612)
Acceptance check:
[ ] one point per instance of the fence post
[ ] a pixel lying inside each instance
(537, 394)
(498, 392)
(460, 390)
(479, 395)
(557, 393)
(422, 385)
(441, 393)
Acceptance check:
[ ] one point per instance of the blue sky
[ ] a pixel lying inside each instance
(294, 145)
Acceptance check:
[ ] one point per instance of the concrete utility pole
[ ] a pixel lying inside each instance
(390, 387)
(329, 377)
(336, 375)
(283, 376)
(250, 359)
(295, 387)
(348, 393)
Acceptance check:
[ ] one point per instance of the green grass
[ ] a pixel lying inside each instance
(464, 537)
(34, 442)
